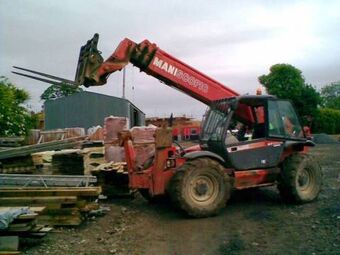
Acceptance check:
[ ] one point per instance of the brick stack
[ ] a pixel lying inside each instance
(112, 126)
(143, 140)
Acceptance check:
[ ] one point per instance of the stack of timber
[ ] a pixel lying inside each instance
(67, 162)
(42, 162)
(92, 158)
(21, 165)
(19, 160)
(29, 149)
(29, 180)
(77, 161)
(24, 224)
(113, 178)
(65, 206)
(6, 142)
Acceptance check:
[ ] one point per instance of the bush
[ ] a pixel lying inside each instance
(15, 119)
(327, 121)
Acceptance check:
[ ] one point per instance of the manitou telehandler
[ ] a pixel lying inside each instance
(199, 179)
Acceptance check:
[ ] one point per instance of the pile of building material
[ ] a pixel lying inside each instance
(29, 180)
(18, 222)
(112, 174)
(97, 154)
(19, 160)
(67, 198)
(95, 133)
(65, 206)
(29, 149)
(143, 139)
(42, 162)
(67, 162)
(70, 161)
(41, 136)
(92, 158)
(113, 178)
(6, 142)
(112, 127)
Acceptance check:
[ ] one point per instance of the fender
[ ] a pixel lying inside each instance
(299, 145)
(200, 154)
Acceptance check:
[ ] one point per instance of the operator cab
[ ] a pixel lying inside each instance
(251, 143)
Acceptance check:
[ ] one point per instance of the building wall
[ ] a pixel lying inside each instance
(87, 109)
(137, 118)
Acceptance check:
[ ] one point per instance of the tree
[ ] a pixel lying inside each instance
(15, 119)
(327, 121)
(331, 95)
(286, 81)
(58, 91)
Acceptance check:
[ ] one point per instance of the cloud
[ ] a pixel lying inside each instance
(232, 41)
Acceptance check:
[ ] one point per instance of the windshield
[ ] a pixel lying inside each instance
(214, 125)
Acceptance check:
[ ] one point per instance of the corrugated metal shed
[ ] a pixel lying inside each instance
(88, 109)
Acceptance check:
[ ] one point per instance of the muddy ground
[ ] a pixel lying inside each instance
(254, 222)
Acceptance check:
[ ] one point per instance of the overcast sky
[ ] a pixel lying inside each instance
(234, 42)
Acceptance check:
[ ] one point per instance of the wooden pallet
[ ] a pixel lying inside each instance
(92, 157)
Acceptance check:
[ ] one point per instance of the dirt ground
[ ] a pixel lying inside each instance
(254, 222)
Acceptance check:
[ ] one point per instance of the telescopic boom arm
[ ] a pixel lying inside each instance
(93, 71)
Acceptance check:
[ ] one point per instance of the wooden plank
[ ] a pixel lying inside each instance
(37, 229)
(38, 200)
(26, 216)
(29, 149)
(60, 220)
(31, 192)
(37, 209)
(24, 227)
(45, 229)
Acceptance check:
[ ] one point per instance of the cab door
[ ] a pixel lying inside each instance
(259, 151)
(255, 154)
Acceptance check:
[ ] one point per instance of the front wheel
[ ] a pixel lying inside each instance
(200, 187)
(301, 179)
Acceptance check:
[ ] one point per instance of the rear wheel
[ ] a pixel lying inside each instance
(301, 179)
(200, 187)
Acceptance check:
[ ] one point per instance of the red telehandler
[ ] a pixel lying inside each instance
(268, 148)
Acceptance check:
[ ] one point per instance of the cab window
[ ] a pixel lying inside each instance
(283, 121)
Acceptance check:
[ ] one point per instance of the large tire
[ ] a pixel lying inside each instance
(200, 187)
(300, 180)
